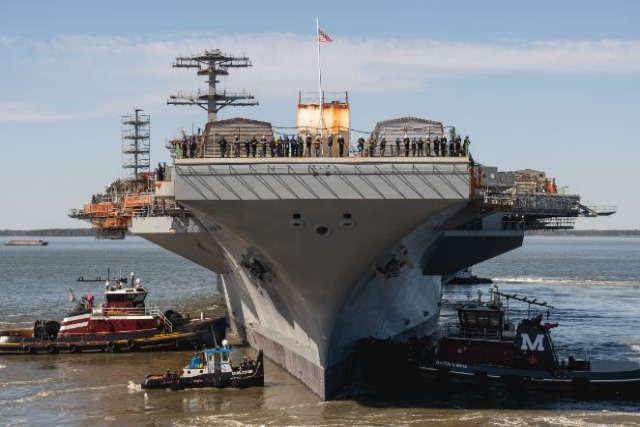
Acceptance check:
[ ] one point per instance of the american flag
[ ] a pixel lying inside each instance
(322, 37)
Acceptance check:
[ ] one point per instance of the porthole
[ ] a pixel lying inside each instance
(322, 230)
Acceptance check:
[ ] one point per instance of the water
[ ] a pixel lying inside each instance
(593, 282)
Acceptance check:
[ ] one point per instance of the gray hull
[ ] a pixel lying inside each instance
(314, 255)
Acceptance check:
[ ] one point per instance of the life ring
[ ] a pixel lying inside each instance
(26, 349)
(50, 348)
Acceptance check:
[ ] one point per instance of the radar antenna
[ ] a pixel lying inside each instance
(213, 63)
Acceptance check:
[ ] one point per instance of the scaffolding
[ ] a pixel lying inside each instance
(136, 152)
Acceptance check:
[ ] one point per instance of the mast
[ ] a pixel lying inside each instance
(320, 95)
(212, 63)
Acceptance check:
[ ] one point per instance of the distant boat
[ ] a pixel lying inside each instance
(466, 277)
(26, 243)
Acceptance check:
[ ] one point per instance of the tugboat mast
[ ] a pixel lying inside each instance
(213, 63)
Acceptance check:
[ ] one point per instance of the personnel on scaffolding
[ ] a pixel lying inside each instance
(300, 146)
(551, 186)
(443, 146)
(397, 153)
(420, 147)
(340, 145)
(330, 144)
(414, 146)
(436, 147)
(247, 147)
(427, 146)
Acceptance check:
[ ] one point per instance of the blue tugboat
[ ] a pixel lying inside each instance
(211, 367)
(487, 351)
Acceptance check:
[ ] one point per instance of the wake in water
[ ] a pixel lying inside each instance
(580, 281)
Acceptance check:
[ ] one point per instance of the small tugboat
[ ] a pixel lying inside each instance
(211, 367)
(122, 323)
(466, 277)
(488, 351)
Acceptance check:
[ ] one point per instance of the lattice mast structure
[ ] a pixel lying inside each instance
(136, 152)
(213, 63)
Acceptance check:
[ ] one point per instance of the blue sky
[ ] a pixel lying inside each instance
(546, 85)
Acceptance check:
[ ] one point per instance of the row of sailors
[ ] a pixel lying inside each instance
(297, 147)
(439, 147)
(284, 147)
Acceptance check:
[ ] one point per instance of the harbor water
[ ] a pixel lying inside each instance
(592, 282)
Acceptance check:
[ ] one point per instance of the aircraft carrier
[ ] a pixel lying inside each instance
(315, 251)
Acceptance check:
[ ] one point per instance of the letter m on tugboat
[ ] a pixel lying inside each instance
(527, 344)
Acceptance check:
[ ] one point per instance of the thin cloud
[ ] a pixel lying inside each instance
(22, 112)
(104, 71)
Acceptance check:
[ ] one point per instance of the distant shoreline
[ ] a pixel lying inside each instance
(74, 232)
(50, 232)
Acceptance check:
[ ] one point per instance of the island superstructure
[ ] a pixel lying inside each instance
(315, 251)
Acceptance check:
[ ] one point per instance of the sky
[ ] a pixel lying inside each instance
(546, 85)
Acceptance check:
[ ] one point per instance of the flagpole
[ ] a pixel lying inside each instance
(320, 97)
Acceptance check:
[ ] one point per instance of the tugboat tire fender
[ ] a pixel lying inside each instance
(131, 344)
(72, 348)
(111, 345)
(26, 348)
(50, 348)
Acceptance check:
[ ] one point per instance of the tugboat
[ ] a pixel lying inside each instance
(122, 323)
(466, 277)
(488, 351)
(211, 367)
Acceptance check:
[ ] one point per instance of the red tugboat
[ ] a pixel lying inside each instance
(488, 351)
(122, 323)
(211, 368)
